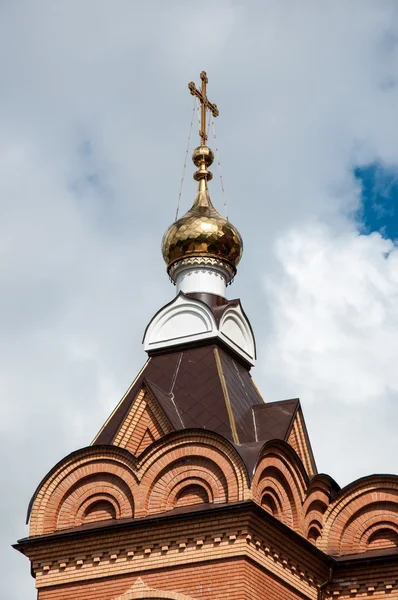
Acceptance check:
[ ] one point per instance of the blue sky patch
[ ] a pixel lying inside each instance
(379, 211)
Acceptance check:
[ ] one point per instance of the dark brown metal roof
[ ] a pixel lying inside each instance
(274, 420)
(206, 388)
(201, 388)
(166, 403)
(217, 304)
(211, 300)
(369, 555)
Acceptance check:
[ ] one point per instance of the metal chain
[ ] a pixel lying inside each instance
(195, 102)
(198, 118)
(200, 122)
(219, 168)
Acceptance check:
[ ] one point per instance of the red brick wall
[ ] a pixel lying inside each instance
(223, 580)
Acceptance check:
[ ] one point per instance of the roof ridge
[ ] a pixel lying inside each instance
(226, 396)
(274, 402)
(153, 388)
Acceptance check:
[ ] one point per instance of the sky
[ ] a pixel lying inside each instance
(94, 119)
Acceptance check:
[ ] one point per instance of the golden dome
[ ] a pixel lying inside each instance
(202, 235)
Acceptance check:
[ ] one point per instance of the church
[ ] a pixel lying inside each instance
(195, 488)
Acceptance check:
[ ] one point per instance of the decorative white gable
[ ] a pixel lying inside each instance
(181, 321)
(235, 331)
(189, 320)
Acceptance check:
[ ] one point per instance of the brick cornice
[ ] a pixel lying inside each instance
(176, 539)
(179, 515)
(197, 513)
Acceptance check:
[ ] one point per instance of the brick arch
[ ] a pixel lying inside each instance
(314, 532)
(98, 486)
(317, 505)
(193, 493)
(181, 473)
(314, 511)
(279, 475)
(97, 508)
(366, 522)
(370, 533)
(103, 471)
(271, 502)
(183, 459)
(190, 491)
(361, 506)
(273, 483)
(381, 535)
(164, 484)
(318, 494)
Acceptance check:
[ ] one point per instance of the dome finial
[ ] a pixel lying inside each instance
(202, 249)
(205, 105)
(203, 156)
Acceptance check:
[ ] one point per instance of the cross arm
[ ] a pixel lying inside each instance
(203, 99)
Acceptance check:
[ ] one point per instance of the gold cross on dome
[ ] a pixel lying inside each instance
(205, 105)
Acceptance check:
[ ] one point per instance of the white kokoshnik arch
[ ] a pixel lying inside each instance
(187, 320)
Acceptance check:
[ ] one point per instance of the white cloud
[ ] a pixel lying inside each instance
(334, 309)
(93, 123)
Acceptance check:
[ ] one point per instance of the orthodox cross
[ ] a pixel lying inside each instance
(206, 105)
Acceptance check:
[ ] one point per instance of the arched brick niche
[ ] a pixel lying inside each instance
(174, 482)
(99, 509)
(373, 527)
(277, 495)
(363, 517)
(98, 496)
(93, 484)
(193, 493)
(106, 482)
(314, 532)
(319, 492)
(314, 511)
(279, 485)
(186, 469)
(383, 535)
(271, 502)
